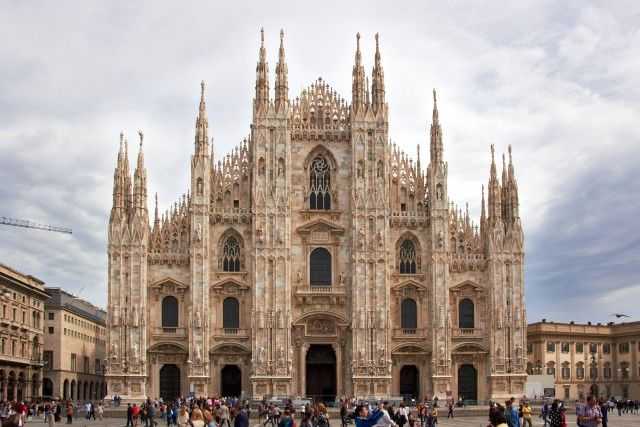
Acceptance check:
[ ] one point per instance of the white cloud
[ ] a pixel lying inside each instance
(559, 82)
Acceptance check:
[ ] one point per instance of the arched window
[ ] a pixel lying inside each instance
(231, 255)
(169, 312)
(230, 313)
(407, 257)
(319, 184)
(320, 267)
(466, 314)
(409, 314)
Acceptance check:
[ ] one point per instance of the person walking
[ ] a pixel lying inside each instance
(526, 415)
(241, 419)
(100, 411)
(49, 415)
(589, 415)
(183, 417)
(450, 412)
(69, 413)
(129, 415)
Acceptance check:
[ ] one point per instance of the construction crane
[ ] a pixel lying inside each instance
(30, 224)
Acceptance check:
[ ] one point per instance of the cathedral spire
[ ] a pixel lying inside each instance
(202, 125)
(140, 180)
(419, 170)
(282, 83)
(513, 189)
(262, 77)
(495, 209)
(119, 181)
(377, 89)
(357, 82)
(156, 218)
(436, 147)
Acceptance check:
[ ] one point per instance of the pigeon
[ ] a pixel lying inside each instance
(619, 315)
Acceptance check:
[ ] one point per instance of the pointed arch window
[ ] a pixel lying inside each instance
(231, 255)
(407, 255)
(319, 184)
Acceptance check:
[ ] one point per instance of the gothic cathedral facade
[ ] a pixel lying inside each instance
(316, 259)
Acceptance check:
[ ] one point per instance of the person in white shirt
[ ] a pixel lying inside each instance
(385, 420)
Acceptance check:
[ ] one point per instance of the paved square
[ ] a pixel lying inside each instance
(614, 421)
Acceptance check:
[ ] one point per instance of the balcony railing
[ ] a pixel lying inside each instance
(408, 333)
(467, 332)
(174, 332)
(232, 332)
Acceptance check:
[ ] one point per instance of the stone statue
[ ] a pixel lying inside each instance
(115, 316)
(440, 239)
(381, 356)
(341, 278)
(114, 350)
(134, 351)
(299, 277)
(197, 321)
(198, 355)
(134, 317)
(361, 356)
(197, 236)
(380, 239)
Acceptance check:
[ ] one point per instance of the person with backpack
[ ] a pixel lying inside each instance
(286, 420)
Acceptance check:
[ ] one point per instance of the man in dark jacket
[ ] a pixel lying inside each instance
(129, 415)
(241, 419)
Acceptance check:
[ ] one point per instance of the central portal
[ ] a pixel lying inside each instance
(169, 382)
(231, 381)
(321, 373)
(467, 383)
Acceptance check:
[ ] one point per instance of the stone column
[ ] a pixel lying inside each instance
(339, 372)
(4, 390)
(303, 369)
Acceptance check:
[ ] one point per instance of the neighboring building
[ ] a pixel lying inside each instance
(22, 299)
(316, 259)
(74, 348)
(587, 359)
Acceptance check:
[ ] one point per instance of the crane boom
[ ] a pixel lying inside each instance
(30, 224)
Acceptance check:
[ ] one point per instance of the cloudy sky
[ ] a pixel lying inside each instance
(559, 81)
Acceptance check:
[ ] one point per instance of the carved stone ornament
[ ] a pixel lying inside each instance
(321, 327)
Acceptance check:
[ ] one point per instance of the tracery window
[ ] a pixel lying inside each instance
(407, 257)
(231, 255)
(319, 184)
